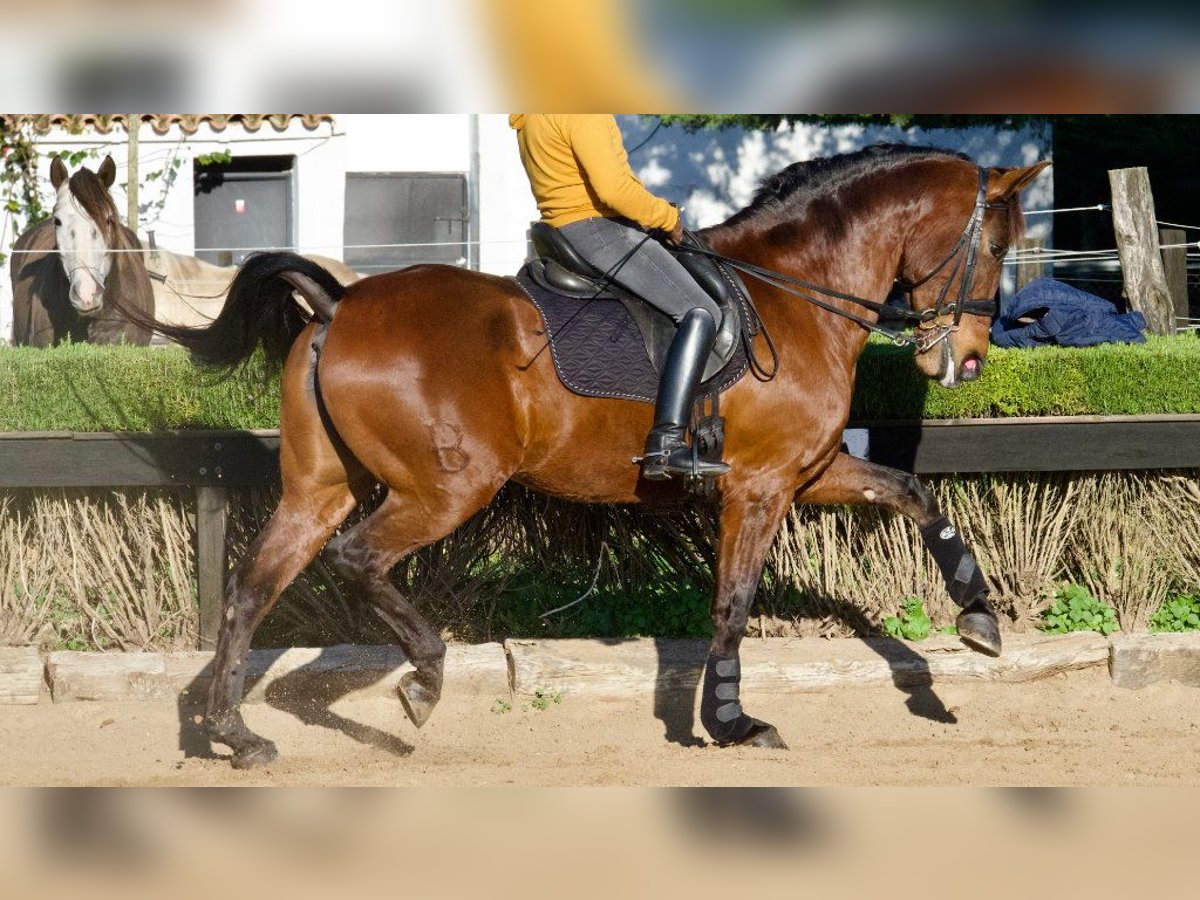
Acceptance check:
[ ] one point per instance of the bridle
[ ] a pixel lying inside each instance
(971, 238)
(927, 332)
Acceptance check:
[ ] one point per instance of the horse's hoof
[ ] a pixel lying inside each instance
(418, 699)
(980, 632)
(255, 756)
(764, 736)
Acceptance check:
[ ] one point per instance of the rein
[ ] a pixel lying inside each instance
(925, 323)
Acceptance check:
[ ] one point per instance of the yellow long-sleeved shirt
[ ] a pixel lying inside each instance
(578, 169)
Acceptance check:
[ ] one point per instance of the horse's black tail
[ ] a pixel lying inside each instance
(259, 310)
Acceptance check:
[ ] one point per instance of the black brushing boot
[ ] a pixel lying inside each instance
(667, 452)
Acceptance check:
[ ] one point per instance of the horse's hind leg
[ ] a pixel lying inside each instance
(321, 484)
(366, 553)
(301, 523)
(854, 481)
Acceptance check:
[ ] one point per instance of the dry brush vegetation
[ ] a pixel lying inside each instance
(114, 569)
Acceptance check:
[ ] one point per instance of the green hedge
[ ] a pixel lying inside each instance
(1160, 376)
(86, 388)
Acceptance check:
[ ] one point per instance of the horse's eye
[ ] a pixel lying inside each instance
(998, 250)
(57, 222)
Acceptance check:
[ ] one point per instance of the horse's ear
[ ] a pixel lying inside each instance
(1006, 183)
(107, 171)
(58, 172)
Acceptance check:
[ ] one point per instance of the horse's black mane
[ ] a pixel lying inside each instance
(802, 181)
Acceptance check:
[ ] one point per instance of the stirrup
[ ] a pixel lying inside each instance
(679, 460)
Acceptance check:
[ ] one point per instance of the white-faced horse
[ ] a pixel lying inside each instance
(69, 272)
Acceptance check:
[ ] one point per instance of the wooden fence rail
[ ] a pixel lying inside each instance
(213, 462)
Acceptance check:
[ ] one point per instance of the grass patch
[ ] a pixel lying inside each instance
(82, 387)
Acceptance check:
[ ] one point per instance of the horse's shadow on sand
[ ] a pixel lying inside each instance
(681, 666)
(301, 693)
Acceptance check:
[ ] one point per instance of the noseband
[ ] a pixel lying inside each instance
(927, 331)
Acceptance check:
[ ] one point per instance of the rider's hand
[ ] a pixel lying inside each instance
(676, 235)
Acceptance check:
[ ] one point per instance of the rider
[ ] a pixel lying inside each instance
(583, 185)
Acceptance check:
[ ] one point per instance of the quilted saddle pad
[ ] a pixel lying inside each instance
(599, 352)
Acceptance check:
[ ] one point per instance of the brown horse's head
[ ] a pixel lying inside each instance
(955, 259)
(86, 228)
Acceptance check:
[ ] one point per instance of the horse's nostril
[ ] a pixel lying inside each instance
(972, 368)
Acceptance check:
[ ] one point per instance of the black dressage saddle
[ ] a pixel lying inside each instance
(607, 341)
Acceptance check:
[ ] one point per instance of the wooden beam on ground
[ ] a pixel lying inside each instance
(1139, 660)
(21, 675)
(637, 667)
(307, 673)
(1137, 244)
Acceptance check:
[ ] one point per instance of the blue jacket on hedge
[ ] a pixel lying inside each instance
(1046, 311)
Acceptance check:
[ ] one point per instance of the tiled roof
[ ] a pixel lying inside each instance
(189, 123)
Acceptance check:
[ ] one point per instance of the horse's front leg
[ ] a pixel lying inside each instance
(854, 481)
(749, 522)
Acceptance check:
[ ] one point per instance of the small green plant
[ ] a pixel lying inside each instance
(217, 157)
(1180, 613)
(500, 707)
(1075, 609)
(542, 698)
(912, 624)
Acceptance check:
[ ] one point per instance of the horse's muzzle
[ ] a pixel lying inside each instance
(971, 368)
(87, 307)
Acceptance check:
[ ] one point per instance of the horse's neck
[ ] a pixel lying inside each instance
(822, 260)
(127, 273)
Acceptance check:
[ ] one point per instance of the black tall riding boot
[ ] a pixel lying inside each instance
(667, 452)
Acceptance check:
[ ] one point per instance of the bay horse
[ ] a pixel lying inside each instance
(70, 273)
(432, 382)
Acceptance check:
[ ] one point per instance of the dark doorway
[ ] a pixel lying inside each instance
(243, 205)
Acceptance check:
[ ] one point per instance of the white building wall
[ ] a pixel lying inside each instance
(506, 204)
(411, 143)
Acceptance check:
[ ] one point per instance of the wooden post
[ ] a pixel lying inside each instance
(1137, 243)
(211, 562)
(1175, 267)
(133, 123)
(1030, 264)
